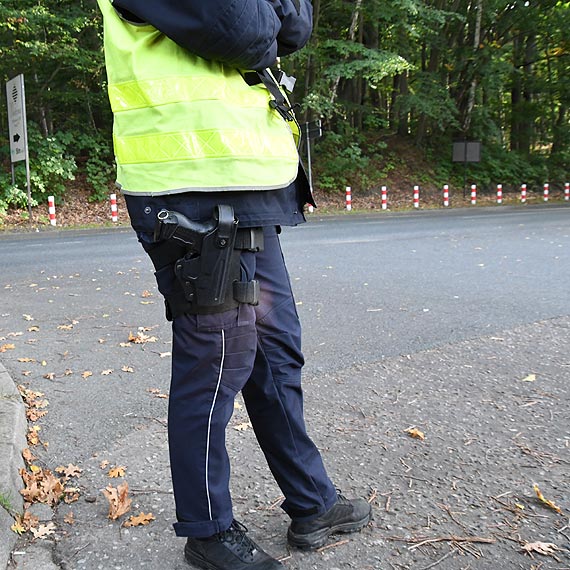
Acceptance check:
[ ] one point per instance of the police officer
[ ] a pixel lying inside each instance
(205, 145)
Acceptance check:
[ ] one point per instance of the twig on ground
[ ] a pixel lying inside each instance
(333, 545)
(438, 561)
(456, 539)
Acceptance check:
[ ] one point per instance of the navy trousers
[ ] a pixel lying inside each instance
(256, 350)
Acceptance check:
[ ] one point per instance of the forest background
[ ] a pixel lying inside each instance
(395, 83)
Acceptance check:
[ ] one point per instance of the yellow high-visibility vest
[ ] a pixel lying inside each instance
(182, 123)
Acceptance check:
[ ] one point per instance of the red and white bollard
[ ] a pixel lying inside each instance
(384, 198)
(499, 193)
(473, 194)
(348, 198)
(446, 195)
(416, 196)
(523, 193)
(567, 191)
(51, 210)
(114, 213)
(546, 192)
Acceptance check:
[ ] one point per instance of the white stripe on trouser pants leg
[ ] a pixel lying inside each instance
(210, 421)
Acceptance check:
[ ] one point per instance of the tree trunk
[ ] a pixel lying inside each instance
(473, 87)
(351, 36)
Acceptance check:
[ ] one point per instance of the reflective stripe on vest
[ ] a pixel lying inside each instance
(186, 124)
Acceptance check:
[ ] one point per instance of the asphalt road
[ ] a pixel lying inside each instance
(369, 289)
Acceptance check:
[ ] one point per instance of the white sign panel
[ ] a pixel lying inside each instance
(17, 118)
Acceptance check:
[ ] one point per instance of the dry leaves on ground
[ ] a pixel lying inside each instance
(119, 501)
(139, 520)
(43, 531)
(69, 471)
(415, 433)
(544, 548)
(141, 337)
(118, 471)
(545, 501)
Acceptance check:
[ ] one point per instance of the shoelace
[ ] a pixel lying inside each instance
(237, 534)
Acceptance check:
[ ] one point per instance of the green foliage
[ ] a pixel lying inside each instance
(371, 70)
(6, 502)
(98, 163)
(51, 167)
(358, 163)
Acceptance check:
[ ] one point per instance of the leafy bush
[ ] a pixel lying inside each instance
(51, 167)
(98, 163)
(350, 159)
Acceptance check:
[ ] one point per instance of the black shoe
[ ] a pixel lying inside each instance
(231, 549)
(345, 516)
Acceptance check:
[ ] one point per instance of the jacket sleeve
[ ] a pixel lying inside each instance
(296, 18)
(247, 34)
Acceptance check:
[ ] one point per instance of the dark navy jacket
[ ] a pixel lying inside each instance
(246, 34)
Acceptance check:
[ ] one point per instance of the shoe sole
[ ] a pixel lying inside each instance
(314, 540)
(200, 562)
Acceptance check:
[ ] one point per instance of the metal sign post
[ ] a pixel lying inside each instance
(311, 130)
(466, 151)
(18, 130)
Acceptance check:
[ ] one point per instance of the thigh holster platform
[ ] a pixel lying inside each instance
(206, 260)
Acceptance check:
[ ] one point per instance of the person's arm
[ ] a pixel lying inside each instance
(296, 17)
(240, 33)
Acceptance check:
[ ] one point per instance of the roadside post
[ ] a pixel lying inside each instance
(18, 130)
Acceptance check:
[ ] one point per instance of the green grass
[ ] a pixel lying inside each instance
(6, 502)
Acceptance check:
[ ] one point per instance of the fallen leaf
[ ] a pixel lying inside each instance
(69, 518)
(139, 520)
(146, 294)
(118, 471)
(17, 528)
(41, 487)
(71, 495)
(87, 374)
(127, 369)
(5, 347)
(33, 435)
(546, 548)
(104, 464)
(529, 378)
(26, 359)
(107, 372)
(28, 456)
(35, 328)
(34, 415)
(243, 426)
(43, 531)
(69, 471)
(65, 327)
(50, 376)
(415, 433)
(28, 317)
(157, 393)
(542, 499)
(140, 337)
(119, 501)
